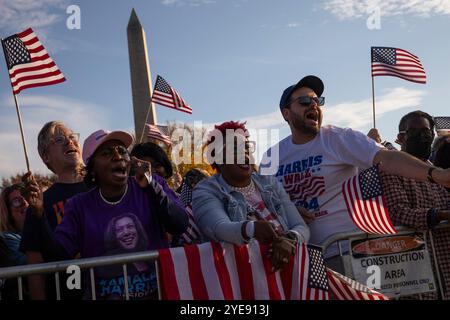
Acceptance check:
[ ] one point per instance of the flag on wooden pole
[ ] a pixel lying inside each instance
(167, 96)
(155, 132)
(397, 62)
(29, 64)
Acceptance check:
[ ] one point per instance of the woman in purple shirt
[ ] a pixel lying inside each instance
(134, 210)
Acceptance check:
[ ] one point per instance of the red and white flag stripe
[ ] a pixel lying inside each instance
(40, 71)
(369, 215)
(217, 271)
(155, 133)
(344, 288)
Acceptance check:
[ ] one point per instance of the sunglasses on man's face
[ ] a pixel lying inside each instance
(417, 131)
(307, 101)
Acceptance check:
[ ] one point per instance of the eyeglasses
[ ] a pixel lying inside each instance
(63, 139)
(417, 131)
(17, 202)
(110, 152)
(307, 101)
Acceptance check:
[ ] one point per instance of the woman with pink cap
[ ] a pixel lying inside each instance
(114, 194)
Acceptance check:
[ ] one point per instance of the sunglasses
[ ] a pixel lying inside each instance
(307, 101)
(110, 152)
(417, 131)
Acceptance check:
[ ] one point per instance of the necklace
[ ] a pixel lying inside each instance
(113, 202)
(247, 190)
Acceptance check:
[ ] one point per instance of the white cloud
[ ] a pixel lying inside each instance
(350, 9)
(293, 25)
(81, 116)
(16, 16)
(192, 3)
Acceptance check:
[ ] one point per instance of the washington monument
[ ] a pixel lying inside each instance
(141, 80)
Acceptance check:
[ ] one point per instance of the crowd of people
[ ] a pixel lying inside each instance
(112, 197)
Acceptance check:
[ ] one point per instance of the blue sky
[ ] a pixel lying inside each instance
(229, 59)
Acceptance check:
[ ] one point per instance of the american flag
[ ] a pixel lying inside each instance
(344, 288)
(308, 188)
(28, 62)
(192, 233)
(165, 95)
(397, 63)
(365, 202)
(223, 271)
(442, 124)
(156, 133)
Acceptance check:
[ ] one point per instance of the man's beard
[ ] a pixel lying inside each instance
(301, 126)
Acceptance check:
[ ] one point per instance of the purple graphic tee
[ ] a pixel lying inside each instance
(93, 228)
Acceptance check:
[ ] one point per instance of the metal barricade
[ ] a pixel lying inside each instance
(20, 272)
(355, 235)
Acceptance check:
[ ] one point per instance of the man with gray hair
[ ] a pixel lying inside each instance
(59, 149)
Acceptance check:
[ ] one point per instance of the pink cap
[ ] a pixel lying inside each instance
(99, 137)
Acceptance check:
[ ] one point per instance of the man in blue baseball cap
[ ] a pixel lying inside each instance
(315, 160)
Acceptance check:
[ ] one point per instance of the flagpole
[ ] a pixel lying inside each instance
(21, 133)
(19, 117)
(373, 102)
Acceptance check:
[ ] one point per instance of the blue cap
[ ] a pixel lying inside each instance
(310, 81)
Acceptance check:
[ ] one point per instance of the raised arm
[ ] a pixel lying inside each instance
(403, 164)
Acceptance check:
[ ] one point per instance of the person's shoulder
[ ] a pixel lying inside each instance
(330, 132)
(62, 191)
(333, 130)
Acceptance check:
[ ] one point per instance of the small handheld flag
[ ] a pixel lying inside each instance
(167, 96)
(365, 202)
(155, 132)
(397, 63)
(29, 64)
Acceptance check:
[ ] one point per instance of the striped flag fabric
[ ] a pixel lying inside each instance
(365, 202)
(310, 187)
(223, 271)
(192, 233)
(397, 62)
(442, 125)
(167, 96)
(29, 64)
(155, 132)
(344, 288)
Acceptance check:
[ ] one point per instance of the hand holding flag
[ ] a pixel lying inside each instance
(29, 65)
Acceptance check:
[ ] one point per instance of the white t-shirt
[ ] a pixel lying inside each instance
(312, 174)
